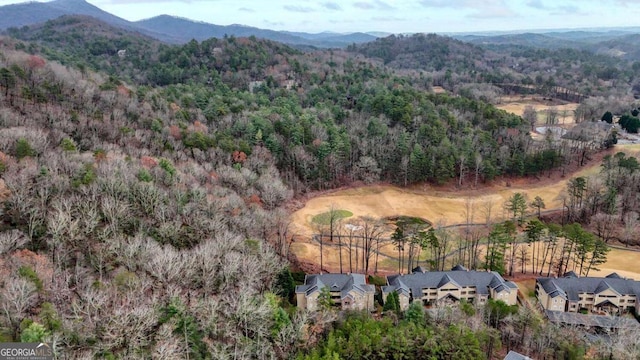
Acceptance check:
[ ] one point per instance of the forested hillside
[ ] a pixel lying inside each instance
(143, 206)
(552, 72)
(349, 118)
(124, 241)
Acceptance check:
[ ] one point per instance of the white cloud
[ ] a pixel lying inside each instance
(297, 8)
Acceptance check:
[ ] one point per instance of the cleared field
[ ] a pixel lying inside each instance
(517, 104)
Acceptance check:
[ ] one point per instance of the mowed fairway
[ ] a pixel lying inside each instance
(438, 207)
(625, 262)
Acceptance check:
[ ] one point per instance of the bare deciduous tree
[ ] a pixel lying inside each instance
(12, 240)
(17, 296)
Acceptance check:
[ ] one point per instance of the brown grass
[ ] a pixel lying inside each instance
(439, 206)
(517, 104)
(626, 263)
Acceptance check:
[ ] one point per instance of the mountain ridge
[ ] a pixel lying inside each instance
(178, 30)
(166, 28)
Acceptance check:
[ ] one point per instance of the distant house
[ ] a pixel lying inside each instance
(512, 355)
(445, 287)
(348, 291)
(611, 295)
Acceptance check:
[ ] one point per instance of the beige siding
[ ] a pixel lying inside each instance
(404, 301)
(360, 301)
(556, 304)
(312, 301)
(608, 294)
(542, 296)
(510, 297)
(301, 300)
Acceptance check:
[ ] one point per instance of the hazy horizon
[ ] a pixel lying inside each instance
(392, 16)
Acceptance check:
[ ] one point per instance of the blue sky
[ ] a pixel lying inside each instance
(397, 16)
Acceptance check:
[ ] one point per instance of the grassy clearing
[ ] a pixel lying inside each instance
(528, 287)
(325, 218)
(517, 104)
(409, 220)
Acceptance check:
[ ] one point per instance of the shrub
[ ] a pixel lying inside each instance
(50, 318)
(167, 166)
(377, 280)
(86, 176)
(28, 273)
(34, 333)
(284, 285)
(24, 149)
(392, 303)
(68, 145)
(415, 313)
(145, 176)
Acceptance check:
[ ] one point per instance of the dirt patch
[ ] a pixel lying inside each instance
(439, 90)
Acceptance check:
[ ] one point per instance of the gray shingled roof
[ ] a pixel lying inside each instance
(572, 287)
(512, 355)
(602, 321)
(419, 269)
(446, 280)
(482, 280)
(604, 286)
(571, 274)
(336, 282)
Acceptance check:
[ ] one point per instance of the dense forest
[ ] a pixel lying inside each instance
(144, 185)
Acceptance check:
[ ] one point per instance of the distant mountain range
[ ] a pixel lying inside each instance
(621, 42)
(167, 28)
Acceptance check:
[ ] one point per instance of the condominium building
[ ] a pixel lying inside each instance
(610, 295)
(348, 291)
(435, 288)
